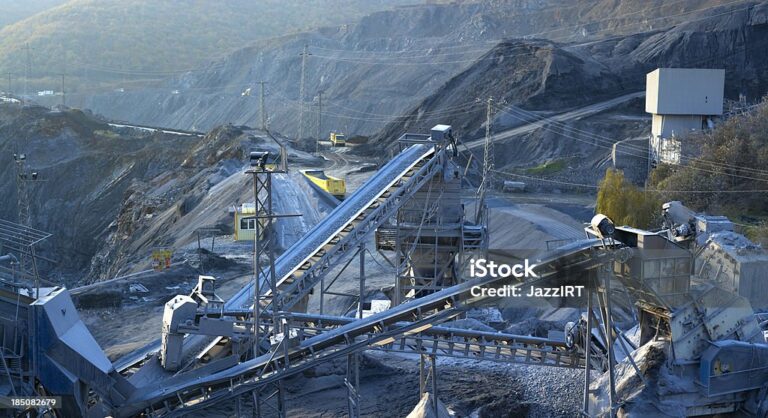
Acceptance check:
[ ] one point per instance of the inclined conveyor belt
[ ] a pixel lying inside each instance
(322, 233)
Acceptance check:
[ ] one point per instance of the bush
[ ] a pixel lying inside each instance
(759, 234)
(732, 162)
(625, 203)
(550, 167)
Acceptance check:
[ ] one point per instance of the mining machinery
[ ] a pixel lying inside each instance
(212, 350)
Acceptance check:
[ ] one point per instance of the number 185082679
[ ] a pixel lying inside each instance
(22, 402)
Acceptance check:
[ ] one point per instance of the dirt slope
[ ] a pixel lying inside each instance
(375, 70)
(112, 196)
(85, 168)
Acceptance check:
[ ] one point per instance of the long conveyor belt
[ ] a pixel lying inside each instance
(346, 226)
(179, 394)
(447, 341)
(455, 342)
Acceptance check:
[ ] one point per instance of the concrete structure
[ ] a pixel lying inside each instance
(681, 100)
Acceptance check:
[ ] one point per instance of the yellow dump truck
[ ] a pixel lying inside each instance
(335, 186)
(338, 140)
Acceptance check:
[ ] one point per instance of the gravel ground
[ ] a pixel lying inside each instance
(547, 391)
(390, 388)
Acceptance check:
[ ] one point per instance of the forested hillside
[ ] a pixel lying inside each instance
(12, 11)
(102, 41)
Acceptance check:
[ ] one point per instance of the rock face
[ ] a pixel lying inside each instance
(540, 75)
(86, 169)
(731, 37)
(136, 42)
(110, 196)
(150, 207)
(375, 70)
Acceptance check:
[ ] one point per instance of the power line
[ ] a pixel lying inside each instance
(379, 55)
(418, 53)
(592, 186)
(394, 118)
(388, 115)
(304, 56)
(384, 118)
(123, 71)
(611, 141)
(597, 142)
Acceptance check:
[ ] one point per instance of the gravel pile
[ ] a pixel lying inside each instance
(544, 391)
(550, 391)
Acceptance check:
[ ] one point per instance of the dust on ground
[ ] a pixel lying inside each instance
(389, 387)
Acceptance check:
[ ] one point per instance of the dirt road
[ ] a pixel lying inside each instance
(562, 117)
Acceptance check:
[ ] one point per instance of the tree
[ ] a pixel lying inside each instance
(732, 163)
(625, 203)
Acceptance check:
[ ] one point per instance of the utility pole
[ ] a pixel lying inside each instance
(63, 94)
(488, 163)
(319, 121)
(488, 160)
(27, 70)
(262, 105)
(304, 56)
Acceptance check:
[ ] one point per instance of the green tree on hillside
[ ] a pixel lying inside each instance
(625, 203)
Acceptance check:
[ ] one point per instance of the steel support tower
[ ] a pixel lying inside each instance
(24, 176)
(264, 267)
(431, 235)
